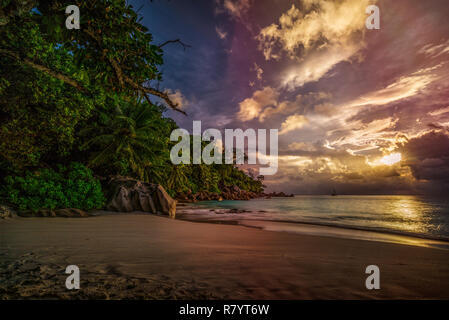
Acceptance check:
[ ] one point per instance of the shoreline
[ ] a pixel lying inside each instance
(141, 256)
(332, 231)
(188, 216)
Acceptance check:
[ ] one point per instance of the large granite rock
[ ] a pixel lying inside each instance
(126, 195)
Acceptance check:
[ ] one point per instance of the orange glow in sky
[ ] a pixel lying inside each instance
(391, 159)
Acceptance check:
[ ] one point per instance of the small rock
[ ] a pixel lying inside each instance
(6, 212)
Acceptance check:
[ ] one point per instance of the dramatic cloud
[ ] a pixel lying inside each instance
(428, 156)
(265, 104)
(435, 50)
(281, 108)
(316, 65)
(359, 136)
(293, 122)
(330, 22)
(316, 169)
(404, 87)
(439, 111)
(321, 35)
(355, 107)
(250, 108)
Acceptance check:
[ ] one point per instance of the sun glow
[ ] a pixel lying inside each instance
(391, 159)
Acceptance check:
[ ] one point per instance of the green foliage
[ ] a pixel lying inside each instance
(178, 180)
(128, 141)
(52, 78)
(243, 181)
(79, 95)
(38, 112)
(67, 187)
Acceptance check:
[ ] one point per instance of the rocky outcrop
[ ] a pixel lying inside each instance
(126, 195)
(64, 213)
(235, 193)
(277, 194)
(199, 196)
(227, 193)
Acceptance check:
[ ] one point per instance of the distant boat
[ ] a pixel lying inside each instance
(334, 193)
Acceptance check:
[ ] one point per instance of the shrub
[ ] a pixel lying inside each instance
(66, 187)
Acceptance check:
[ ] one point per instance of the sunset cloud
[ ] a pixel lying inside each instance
(322, 170)
(404, 87)
(346, 100)
(292, 123)
(319, 37)
(330, 22)
(428, 156)
(265, 104)
(317, 65)
(435, 50)
(358, 135)
(250, 108)
(439, 111)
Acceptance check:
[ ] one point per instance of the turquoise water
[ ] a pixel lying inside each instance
(409, 215)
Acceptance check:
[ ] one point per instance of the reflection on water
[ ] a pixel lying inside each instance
(410, 214)
(416, 215)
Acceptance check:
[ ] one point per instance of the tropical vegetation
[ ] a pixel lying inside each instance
(76, 105)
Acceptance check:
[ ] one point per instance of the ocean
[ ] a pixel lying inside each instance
(412, 216)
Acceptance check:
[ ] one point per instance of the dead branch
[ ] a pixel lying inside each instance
(174, 41)
(163, 95)
(123, 78)
(45, 69)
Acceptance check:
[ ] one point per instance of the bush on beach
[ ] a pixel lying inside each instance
(73, 186)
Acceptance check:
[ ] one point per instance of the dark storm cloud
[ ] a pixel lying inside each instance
(428, 156)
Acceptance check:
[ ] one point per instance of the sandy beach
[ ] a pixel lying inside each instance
(137, 256)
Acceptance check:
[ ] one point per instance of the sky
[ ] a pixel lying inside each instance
(362, 111)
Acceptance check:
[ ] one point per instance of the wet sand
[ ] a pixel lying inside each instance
(136, 256)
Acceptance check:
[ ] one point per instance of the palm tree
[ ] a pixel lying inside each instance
(128, 142)
(177, 180)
